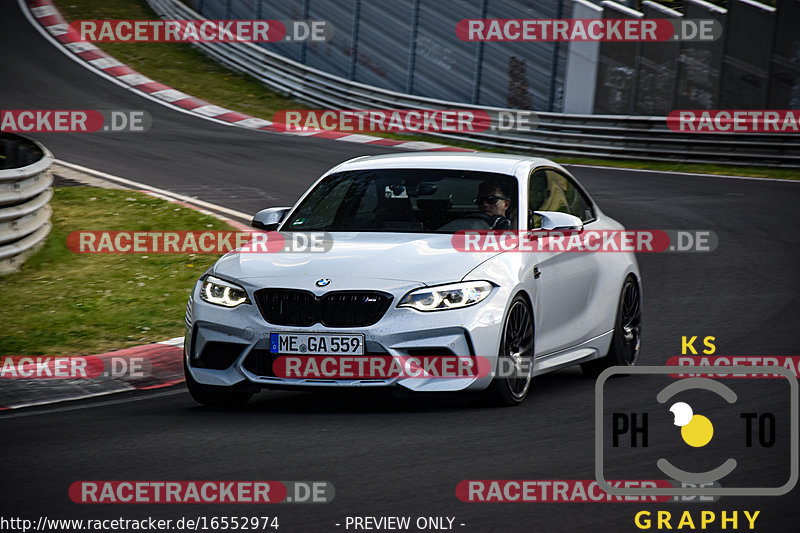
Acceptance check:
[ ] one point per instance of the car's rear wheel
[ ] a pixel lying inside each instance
(515, 362)
(212, 395)
(627, 337)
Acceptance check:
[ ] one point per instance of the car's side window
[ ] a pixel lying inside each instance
(577, 204)
(544, 194)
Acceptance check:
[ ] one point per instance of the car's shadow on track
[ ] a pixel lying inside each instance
(546, 389)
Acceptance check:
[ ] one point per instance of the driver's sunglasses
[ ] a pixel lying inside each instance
(488, 199)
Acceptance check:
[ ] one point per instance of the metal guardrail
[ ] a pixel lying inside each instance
(25, 181)
(604, 136)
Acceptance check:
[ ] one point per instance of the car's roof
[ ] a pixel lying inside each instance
(485, 162)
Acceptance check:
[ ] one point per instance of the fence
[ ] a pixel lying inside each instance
(754, 65)
(577, 135)
(411, 46)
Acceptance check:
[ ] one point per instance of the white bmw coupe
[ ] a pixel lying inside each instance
(394, 283)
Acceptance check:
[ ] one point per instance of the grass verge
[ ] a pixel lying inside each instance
(63, 303)
(183, 67)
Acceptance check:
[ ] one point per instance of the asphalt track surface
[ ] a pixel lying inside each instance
(401, 456)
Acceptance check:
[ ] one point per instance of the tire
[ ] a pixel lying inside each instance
(214, 396)
(516, 351)
(627, 337)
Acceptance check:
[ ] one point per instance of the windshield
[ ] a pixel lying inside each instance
(408, 200)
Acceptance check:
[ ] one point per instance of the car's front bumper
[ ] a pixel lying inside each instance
(401, 332)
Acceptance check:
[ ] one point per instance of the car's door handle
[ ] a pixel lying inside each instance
(536, 272)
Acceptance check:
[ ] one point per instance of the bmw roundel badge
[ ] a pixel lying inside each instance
(324, 282)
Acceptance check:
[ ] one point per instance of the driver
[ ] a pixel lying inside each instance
(492, 200)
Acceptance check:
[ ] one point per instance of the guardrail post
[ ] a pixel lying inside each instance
(351, 74)
(476, 85)
(551, 96)
(412, 48)
(304, 44)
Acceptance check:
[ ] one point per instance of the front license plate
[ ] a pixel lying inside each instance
(316, 343)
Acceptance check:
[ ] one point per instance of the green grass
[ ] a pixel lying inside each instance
(185, 68)
(63, 303)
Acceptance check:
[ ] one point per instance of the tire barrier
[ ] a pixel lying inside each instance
(25, 190)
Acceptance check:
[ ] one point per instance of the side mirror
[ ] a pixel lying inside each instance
(269, 219)
(557, 221)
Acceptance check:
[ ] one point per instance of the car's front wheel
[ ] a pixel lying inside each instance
(515, 362)
(214, 396)
(627, 337)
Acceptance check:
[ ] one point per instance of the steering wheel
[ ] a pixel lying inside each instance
(495, 222)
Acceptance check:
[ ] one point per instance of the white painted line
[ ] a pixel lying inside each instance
(177, 341)
(170, 194)
(170, 95)
(43, 11)
(105, 62)
(684, 173)
(357, 138)
(120, 387)
(135, 79)
(420, 145)
(80, 46)
(236, 224)
(211, 110)
(253, 122)
(92, 405)
(303, 133)
(57, 29)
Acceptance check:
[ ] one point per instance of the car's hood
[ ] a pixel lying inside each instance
(407, 257)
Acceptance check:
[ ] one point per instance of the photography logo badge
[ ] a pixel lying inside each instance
(698, 431)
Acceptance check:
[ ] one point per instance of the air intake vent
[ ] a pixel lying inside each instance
(337, 309)
(218, 355)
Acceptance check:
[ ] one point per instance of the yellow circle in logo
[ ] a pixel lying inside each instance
(698, 431)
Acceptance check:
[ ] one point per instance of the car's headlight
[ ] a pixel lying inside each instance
(221, 292)
(452, 296)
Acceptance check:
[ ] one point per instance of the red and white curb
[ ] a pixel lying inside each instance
(164, 361)
(94, 58)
